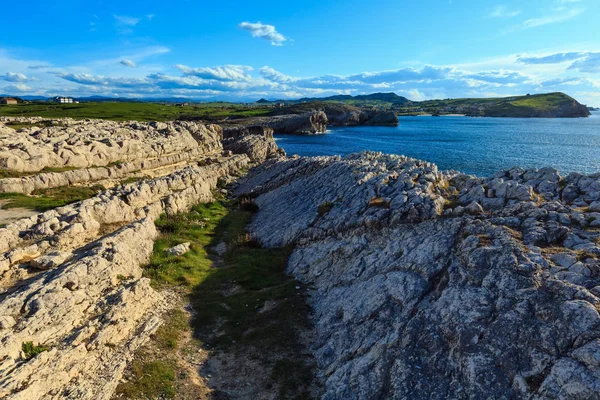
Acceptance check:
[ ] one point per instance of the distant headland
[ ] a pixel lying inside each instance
(547, 105)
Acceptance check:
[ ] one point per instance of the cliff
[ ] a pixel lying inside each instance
(431, 285)
(346, 115)
(550, 105)
(307, 122)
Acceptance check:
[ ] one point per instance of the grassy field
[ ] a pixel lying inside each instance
(122, 111)
(516, 106)
(47, 199)
(245, 305)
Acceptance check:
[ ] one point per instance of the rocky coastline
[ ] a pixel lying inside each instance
(432, 285)
(424, 284)
(311, 122)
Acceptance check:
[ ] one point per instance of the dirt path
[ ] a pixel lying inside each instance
(239, 328)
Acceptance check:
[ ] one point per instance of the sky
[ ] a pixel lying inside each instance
(244, 51)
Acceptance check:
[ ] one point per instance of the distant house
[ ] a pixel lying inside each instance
(181, 104)
(63, 100)
(8, 100)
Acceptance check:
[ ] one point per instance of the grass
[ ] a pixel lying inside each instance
(153, 379)
(30, 350)
(20, 125)
(378, 202)
(324, 208)
(246, 305)
(14, 174)
(47, 199)
(133, 179)
(516, 106)
(147, 111)
(124, 111)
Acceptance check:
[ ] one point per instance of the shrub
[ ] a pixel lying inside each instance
(32, 350)
(325, 208)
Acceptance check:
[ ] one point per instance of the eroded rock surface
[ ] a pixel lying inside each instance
(307, 123)
(99, 143)
(71, 282)
(436, 285)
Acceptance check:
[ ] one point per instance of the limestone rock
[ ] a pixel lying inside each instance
(257, 148)
(178, 250)
(413, 302)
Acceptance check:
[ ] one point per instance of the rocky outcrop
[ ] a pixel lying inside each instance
(306, 123)
(257, 148)
(96, 143)
(431, 285)
(237, 131)
(101, 148)
(309, 123)
(570, 108)
(353, 116)
(71, 283)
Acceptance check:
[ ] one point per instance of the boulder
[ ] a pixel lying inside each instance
(178, 250)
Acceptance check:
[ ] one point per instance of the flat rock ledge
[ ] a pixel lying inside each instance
(71, 281)
(436, 285)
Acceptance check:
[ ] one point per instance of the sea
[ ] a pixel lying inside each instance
(478, 146)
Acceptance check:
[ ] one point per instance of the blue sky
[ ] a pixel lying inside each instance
(276, 49)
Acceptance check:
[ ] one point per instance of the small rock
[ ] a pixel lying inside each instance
(7, 322)
(179, 250)
(51, 260)
(474, 208)
(221, 248)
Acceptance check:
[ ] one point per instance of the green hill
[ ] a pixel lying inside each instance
(550, 105)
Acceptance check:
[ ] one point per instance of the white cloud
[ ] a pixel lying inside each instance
(17, 88)
(125, 20)
(15, 77)
(274, 75)
(559, 15)
(128, 63)
(264, 31)
(590, 64)
(555, 58)
(416, 95)
(503, 12)
(223, 73)
(39, 66)
(572, 70)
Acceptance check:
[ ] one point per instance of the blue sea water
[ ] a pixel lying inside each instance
(479, 146)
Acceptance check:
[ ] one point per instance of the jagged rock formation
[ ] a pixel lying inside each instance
(431, 285)
(71, 278)
(98, 143)
(306, 123)
(257, 148)
(237, 131)
(102, 147)
(353, 116)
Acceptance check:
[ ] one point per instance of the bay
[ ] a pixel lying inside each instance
(479, 146)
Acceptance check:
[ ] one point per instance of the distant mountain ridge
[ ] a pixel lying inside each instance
(374, 97)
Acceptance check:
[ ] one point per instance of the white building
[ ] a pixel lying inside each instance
(64, 100)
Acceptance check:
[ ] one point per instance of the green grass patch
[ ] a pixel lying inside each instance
(47, 199)
(150, 380)
(132, 179)
(324, 208)
(14, 174)
(125, 111)
(245, 304)
(30, 350)
(169, 334)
